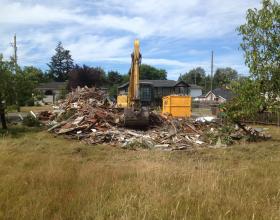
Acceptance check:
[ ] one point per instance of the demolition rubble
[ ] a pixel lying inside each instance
(88, 114)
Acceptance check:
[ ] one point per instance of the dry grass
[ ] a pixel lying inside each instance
(36, 109)
(201, 112)
(42, 177)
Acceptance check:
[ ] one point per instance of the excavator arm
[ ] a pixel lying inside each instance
(134, 114)
(133, 90)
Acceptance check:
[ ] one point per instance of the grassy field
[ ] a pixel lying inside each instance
(43, 177)
(27, 109)
(36, 109)
(201, 112)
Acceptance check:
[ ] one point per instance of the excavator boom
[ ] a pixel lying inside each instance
(134, 114)
(133, 90)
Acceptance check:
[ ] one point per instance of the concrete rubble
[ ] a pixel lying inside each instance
(88, 114)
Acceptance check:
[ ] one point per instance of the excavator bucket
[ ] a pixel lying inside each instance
(136, 118)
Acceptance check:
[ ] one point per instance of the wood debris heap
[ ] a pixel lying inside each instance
(89, 115)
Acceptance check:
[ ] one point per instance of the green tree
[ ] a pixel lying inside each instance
(113, 91)
(224, 76)
(261, 44)
(151, 73)
(195, 76)
(125, 78)
(34, 74)
(247, 102)
(114, 78)
(6, 82)
(61, 64)
(17, 86)
(6, 88)
(25, 87)
(207, 86)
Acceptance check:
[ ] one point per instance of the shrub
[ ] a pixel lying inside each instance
(31, 121)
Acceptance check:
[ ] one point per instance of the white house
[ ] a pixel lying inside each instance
(195, 90)
(219, 95)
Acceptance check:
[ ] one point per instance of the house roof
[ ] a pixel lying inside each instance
(52, 85)
(193, 86)
(163, 83)
(222, 92)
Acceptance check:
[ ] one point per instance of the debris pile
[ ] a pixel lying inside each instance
(88, 114)
(84, 110)
(45, 115)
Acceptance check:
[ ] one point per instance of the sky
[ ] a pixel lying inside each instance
(176, 35)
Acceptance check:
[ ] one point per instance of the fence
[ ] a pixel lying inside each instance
(267, 118)
(211, 108)
(204, 108)
(204, 104)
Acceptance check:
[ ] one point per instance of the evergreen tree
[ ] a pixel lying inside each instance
(86, 76)
(61, 64)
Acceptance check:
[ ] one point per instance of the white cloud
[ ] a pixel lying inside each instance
(95, 48)
(191, 19)
(103, 30)
(17, 13)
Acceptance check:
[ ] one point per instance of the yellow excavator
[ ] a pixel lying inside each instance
(134, 114)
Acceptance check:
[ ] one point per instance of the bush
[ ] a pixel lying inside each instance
(11, 108)
(113, 91)
(31, 121)
(30, 102)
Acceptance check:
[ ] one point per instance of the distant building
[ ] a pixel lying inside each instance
(152, 91)
(51, 91)
(195, 90)
(219, 95)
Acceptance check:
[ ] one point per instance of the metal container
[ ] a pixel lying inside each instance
(177, 106)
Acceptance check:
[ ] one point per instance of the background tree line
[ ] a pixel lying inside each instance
(19, 84)
(221, 78)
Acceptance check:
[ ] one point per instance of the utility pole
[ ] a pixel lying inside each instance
(212, 68)
(212, 61)
(15, 59)
(15, 50)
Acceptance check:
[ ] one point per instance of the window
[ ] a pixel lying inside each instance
(146, 94)
(49, 92)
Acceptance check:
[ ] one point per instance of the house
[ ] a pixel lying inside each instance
(219, 95)
(152, 91)
(195, 90)
(51, 91)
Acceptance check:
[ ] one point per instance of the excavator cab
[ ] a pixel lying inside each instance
(135, 115)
